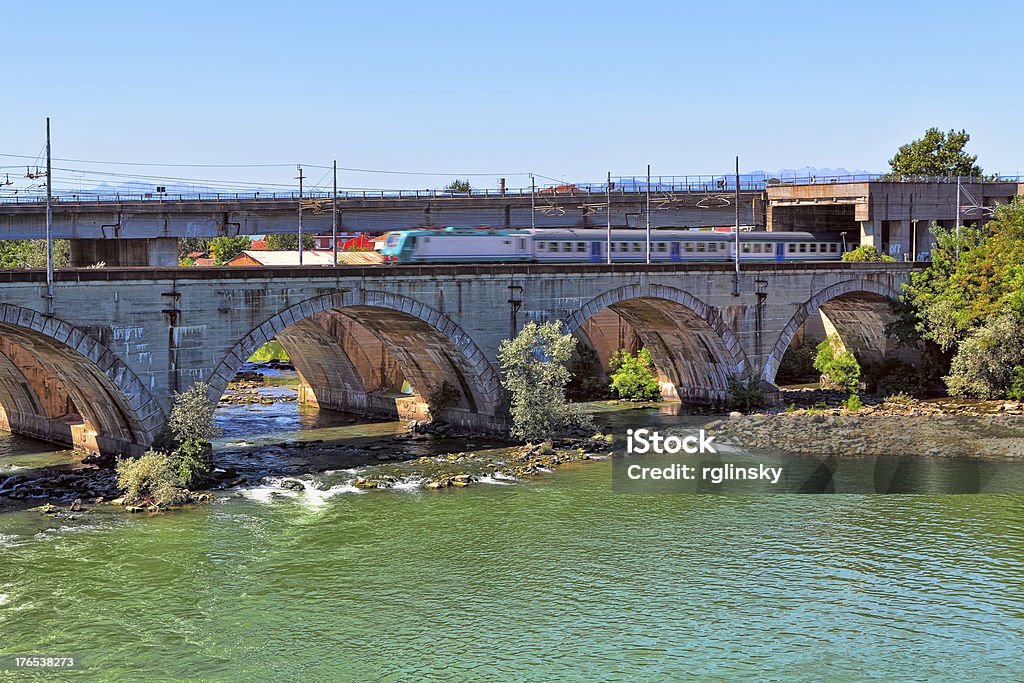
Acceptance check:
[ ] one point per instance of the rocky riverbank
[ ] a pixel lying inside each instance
(883, 429)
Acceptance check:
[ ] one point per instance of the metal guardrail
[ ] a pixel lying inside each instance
(620, 185)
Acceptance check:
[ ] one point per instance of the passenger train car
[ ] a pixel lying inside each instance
(454, 245)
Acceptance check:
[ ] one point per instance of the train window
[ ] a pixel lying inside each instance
(791, 248)
(581, 246)
(540, 246)
(506, 242)
(834, 247)
(700, 246)
(803, 247)
(636, 246)
(522, 243)
(812, 247)
(566, 246)
(662, 247)
(689, 247)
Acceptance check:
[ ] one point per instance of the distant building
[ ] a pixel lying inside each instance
(310, 257)
(893, 216)
(345, 242)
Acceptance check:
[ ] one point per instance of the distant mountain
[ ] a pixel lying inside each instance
(809, 172)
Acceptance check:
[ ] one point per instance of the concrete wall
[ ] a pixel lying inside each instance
(122, 341)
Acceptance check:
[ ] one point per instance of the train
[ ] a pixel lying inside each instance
(589, 245)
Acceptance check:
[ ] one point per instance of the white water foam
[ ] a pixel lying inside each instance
(497, 479)
(409, 485)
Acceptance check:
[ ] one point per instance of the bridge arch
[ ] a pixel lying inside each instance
(858, 309)
(60, 384)
(429, 347)
(690, 343)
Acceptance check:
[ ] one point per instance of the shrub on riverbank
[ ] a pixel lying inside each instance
(634, 377)
(151, 478)
(746, 394)
(990, 362)
(836, 364)
(535, 370)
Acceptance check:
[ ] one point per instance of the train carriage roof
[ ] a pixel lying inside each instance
(675, 235)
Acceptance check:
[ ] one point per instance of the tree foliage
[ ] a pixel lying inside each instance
(935, 154)
(150, 476)
(223, 249)
(458, 186)
(535, 370)
(973, 277)
(837, 364)
(32, 253)
(634, 377)
(866, 252)
(289, 242)
(989, 363)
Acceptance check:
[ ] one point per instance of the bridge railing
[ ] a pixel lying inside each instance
(619, 185)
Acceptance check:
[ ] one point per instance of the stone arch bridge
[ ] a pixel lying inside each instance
(101, 371)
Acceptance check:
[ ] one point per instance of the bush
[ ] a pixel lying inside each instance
(442, 397)
(192, 415)
(797, 365)
(987, 363)
(900, 399)
(853, 403)
(839, 366)
(634, 377)
(191, 461)
(535, 370)
(864, 253)
(746, 394)
(1017, 388)
(150, 477)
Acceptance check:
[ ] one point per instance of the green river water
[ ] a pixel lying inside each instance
(557, 578)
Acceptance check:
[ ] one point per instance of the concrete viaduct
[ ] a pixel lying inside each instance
(101, 372)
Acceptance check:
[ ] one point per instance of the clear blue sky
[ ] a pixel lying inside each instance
(560, 88)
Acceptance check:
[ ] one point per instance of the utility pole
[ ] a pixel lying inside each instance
(300, 214)
(736, 290)
(648, 212)
(608, 239)
(533, 204)
(49, 225)
(956, 223)
(334, 215)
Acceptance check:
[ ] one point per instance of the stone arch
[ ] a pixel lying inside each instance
(692, 346)
(115, 411)
(428, 346)
(850, 305)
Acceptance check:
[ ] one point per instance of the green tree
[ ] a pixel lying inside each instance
(935, 154)
(192, 245)
(866, 252)
(288, 242)
(32, 253)
(974, 276)
(191, 422)
(837, 364)
(223, 249)
(634, 377)
(535, 370)
(989, 363)
(458, 186)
